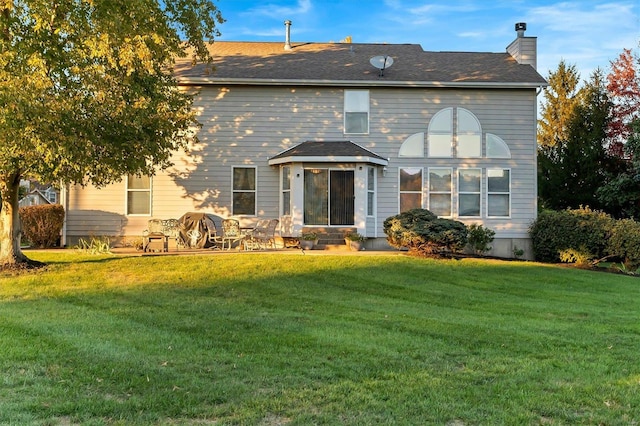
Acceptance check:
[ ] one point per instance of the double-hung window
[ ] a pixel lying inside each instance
(410, 188)
(440, 191)
(356, 112)
(371, 191)
(498, 192)
(286, 191)
(244, 191)
(469, 192)
(138, 195)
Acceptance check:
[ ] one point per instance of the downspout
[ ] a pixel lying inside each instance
(64, 200)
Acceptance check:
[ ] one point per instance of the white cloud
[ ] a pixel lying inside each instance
(276, 11)
(587, 34)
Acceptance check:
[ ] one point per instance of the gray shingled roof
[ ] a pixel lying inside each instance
(328, 151)
(330, 63)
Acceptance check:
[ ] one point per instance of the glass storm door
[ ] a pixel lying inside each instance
(328, 197)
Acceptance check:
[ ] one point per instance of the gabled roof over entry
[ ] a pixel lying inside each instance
(328, 152)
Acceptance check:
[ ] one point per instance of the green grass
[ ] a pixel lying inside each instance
(271, 339)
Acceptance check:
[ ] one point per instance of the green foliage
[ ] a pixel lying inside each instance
(560, 99)
(583, 230)
(517, 252)
(309, 236)
(95, 245)
(624, 242)
(354, 236)
(420, 231)
(620, 193)
(87, 94)
(42, 225)
(480, 237)
(572, 170)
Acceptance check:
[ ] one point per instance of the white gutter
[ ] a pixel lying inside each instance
(327, 159)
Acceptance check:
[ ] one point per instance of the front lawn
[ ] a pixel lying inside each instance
(274, 339)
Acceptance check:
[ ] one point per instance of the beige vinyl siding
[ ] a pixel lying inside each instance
(509, 114)
(246, 125)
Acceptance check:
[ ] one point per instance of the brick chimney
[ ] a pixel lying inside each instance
(524, 49)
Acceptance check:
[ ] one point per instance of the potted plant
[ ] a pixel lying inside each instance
(308, 240)
(354, 241)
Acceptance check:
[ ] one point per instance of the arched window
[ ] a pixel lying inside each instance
(469, 135)
(496, 147)
(440, 134)
(413, 146)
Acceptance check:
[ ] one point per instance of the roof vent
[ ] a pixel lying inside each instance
(521, 27)
(287, 40)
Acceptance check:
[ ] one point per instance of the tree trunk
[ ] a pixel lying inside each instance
(11, 255)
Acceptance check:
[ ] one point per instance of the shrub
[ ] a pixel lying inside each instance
(583, 230)
(95, 245)
(624, 242)
(480, 237)
(354, 236)
(421, 231)
(42, 225)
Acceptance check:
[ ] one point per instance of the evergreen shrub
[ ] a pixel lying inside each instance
(624, 242)
(420, 231)
(480, 237)
(583, 232)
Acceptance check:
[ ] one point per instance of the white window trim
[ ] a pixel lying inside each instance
(255, 191)
(126, 198)
(344, 110)
(282, 190)
(509, 193)
(374, 191)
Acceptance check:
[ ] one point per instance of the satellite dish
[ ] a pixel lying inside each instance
(381, 62)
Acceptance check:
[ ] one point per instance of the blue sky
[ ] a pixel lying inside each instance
(586, 33)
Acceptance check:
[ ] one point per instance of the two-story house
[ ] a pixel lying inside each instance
(341, 135)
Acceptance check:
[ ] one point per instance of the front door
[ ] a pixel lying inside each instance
(328, 197)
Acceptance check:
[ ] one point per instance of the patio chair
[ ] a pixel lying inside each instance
(263, 235)
(154, 232)
(162, 230)
(211, 232)
(230, 233)
(171, 229)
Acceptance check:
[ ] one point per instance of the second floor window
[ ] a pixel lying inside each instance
(356, 111)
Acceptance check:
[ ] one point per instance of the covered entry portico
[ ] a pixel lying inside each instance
(328, 184)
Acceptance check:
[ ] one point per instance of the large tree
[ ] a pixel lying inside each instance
(624, 89)
(620, 195)
(575, 167)
(560, 100)
(87, 94)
